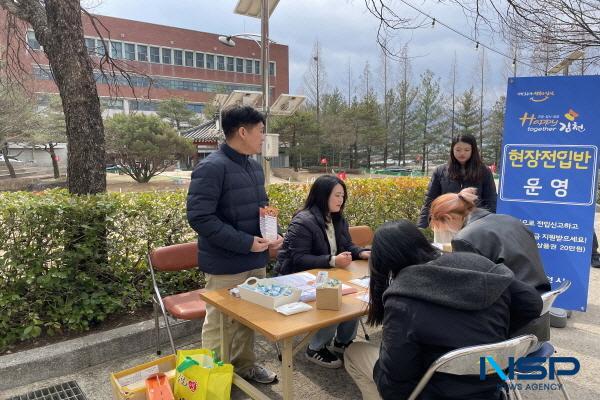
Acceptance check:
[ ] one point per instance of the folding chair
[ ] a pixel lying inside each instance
(466, 361)
(184, 306)
(549, 297)
(362, 236)
(547, 350)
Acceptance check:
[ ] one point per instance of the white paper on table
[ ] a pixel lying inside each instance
(304, 281)
(363, 297)
(293, 308)
(362, 282)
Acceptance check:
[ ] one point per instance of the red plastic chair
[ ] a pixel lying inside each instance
(361, 235)
(184, 306)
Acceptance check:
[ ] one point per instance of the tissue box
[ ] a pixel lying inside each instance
(261, 299)
(329, 298)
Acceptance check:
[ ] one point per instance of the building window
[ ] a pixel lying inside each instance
(166, 56)
(221, 63)
(154, 54)
(111, 104)
(197, 108)
(189, 59)
(44, 73)
(230, 67)
(248, 66)
(239, 65)
(116, 49)
(271, 68)
(129, 51)
(178, 57)
(210, 61)
(142, 53)
(102, 47)
(142, 105)
(32, 41)
(199, 60)
(257, 67)
(91, 45)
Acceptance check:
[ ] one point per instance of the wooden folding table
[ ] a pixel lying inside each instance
(280, 328)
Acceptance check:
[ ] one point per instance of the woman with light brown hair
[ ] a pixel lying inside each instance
(498, 237)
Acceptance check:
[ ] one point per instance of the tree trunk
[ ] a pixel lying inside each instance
(402, 140)
(293, 158)
(64, 46)
(9, 166)
(54, 160)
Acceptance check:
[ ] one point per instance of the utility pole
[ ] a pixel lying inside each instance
(481, 101)
(385, 105)
(316, 58)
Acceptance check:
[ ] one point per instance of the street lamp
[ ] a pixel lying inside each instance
(228, 40)
(261, 9)
(566, 62)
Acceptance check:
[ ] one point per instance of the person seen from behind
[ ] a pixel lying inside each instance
(429, 304)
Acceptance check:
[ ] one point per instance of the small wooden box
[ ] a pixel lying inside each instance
(329, 298)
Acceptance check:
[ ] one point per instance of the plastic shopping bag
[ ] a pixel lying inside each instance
(199, 377)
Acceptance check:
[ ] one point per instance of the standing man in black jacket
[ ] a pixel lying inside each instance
(225, 194)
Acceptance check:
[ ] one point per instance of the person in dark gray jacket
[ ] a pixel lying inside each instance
(225, 194)
(464, 169)
(430, 304)
(498, 237)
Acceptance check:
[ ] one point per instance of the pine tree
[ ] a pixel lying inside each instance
(467, 118)
(428, 116)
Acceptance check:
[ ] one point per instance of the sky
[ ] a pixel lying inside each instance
(346, 32)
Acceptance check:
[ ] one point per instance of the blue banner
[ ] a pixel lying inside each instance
(548, 175)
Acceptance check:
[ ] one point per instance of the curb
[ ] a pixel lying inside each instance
(67, 357)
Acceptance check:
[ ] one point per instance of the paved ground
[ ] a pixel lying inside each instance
(581, 339)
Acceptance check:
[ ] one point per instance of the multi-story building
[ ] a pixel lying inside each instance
(167, 62)
(162, 62)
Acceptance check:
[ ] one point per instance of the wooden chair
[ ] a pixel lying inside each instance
(183, 306)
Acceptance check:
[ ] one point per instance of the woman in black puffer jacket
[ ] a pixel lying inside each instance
(318, 237)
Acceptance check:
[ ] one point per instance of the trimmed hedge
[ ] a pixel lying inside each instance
(57, 274)
(370, 201)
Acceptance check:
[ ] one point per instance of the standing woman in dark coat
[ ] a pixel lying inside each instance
(464, 169)
(318, 237)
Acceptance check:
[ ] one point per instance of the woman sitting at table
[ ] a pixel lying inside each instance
(318, 237)
(430, 304)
